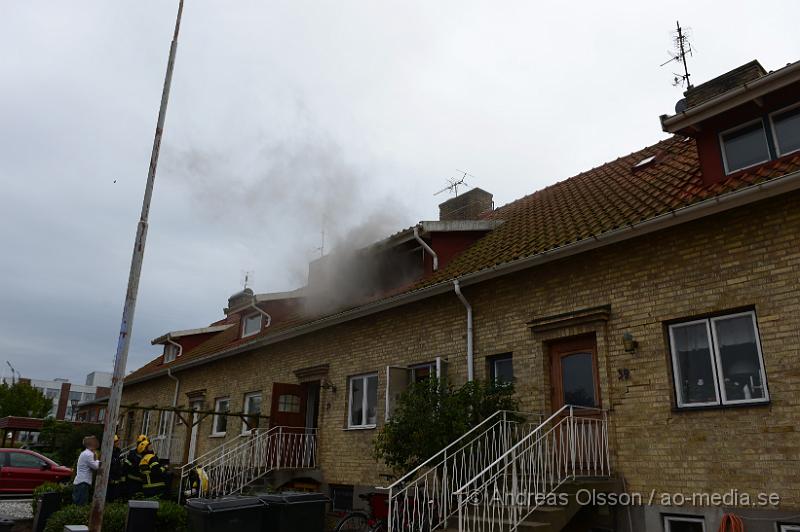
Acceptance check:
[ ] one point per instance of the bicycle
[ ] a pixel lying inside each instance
(374, 521)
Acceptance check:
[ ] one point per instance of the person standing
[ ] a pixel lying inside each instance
(87, 465)
(116, 479)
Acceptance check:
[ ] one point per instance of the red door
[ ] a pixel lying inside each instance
(288, 407)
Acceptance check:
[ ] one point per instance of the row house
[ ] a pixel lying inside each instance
(646, 309)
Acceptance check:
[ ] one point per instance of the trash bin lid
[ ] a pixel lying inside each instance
(292, 497)
(150, 505)
(224, 504)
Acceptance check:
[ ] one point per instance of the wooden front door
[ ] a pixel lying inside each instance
(573, 373)
(289, 403)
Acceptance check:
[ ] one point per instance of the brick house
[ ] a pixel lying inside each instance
(661, 288)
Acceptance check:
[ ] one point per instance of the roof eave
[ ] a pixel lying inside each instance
(729, 200)
(733, 98)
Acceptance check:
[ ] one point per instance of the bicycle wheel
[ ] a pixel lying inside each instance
(353, 522)
(380, 526)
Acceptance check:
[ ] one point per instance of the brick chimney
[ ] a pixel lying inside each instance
(467, 206)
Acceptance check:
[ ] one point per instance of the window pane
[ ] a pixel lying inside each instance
(787, 131)
(289, 403)
(420, 373)
(356, 401)
(503, 370)
(252, 325)
(252, 406)
(694, 371)
(745, 147)
(738, 352)
(221, 422)
(577, 379)
(24, 460)
(372, 400)
(680, 525)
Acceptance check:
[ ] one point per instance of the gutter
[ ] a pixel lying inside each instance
(426, 247)
(174, 405)
(732, 98)
(470, 353)
(729, 200)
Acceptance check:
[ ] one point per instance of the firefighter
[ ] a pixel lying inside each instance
(130, 467)
(154, 474)
(198, 483)
(116, 478)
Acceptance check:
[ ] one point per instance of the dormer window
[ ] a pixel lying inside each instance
(744, 146)
(170, 352)
(251, 325)
(786, 130)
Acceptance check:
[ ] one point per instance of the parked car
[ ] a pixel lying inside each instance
(21, 471)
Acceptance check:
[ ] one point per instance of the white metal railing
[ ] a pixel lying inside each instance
(167, 447)
(232, 468)
(424, 499)
(571, 443)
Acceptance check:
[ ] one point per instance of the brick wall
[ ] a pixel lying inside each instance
(749, 257)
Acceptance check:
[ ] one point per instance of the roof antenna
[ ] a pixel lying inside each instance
(247, 278)
(683, 48)
(455, 182)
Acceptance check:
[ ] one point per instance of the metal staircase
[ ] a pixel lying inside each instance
(425, 498)
(236, 464)
(515, 489)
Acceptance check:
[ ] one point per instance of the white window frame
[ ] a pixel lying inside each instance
(364, 403)
(258, 315)
(170, 353)
(728, 171)
(214, 419)
(669, 519)
(164, 421)
(676, 370)
(246, 409)
(431, 370)
(145, 422)
(775, 134)
(716, 362)
(493, 360)
(788, 527)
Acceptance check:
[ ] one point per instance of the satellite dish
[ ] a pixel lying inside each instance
(680, 106)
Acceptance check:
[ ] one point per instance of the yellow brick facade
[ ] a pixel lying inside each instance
(745, 258)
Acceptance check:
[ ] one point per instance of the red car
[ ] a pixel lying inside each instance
(21, 471)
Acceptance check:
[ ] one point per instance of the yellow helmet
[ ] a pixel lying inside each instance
(141, 438)
(116, 438)
(142, 445)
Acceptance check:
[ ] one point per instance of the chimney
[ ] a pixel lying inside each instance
(468, 206)
(239, 299)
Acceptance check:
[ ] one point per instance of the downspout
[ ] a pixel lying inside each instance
(174, 396)
(427, 248)
(263, 312)
(470, 354)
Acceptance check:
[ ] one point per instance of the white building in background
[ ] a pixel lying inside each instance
(67, 395)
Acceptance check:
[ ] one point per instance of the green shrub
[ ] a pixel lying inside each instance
(51, 487)
(171, 517)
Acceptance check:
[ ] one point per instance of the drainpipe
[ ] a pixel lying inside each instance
(427, 248)
(263, 313)
(470, 356)
(174, 396)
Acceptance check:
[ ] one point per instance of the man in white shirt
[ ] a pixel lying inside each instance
(87, 464)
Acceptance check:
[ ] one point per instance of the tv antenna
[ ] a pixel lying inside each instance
(247, 278)
(454, 182)
(321, 247)
(682, 48)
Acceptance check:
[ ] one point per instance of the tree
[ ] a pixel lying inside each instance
(64, 440)
(23, 400)
(429, 416)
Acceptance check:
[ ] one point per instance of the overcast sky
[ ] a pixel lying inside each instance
(287, 117)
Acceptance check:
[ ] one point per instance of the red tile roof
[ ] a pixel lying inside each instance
(603, 199)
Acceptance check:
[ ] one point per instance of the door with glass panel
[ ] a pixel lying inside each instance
(573, 373)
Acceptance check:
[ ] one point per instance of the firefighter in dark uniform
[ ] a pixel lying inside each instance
(116, 477)
(130, 467)
(154, 474)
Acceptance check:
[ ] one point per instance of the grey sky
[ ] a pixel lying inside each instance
(289, 115)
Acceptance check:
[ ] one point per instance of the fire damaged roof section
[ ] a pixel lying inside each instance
(585, 207)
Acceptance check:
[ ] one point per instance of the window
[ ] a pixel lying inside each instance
(219, 425)
(786, 130)
(674, 523)
(164, 423)
(341, 497)
(170, 352)
(744, 146)
(289, 403)
(145, 422)
(101, 414)
(422, 372)
(788, 528)
(252, 407)
(501, 369)
(718, 361)
(252, 325)
(363, 404)
(24, 460)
